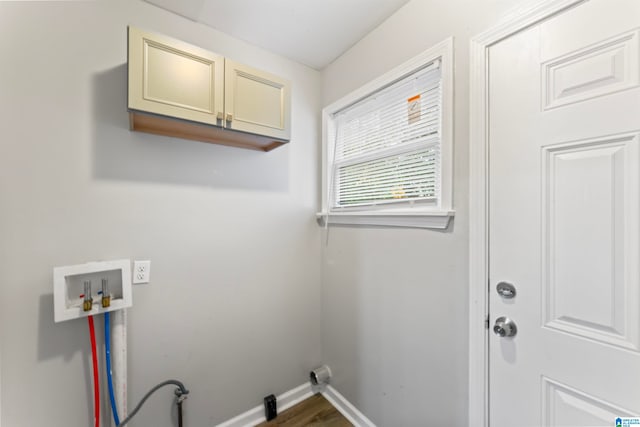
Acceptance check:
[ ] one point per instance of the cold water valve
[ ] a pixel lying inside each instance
(106, 296)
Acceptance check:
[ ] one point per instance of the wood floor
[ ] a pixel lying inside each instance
(314, 411)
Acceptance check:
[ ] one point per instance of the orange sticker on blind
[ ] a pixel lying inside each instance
(413, 109)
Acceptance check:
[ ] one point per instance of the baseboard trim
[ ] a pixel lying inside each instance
(345, 407)
(294, 396)
(285, 401)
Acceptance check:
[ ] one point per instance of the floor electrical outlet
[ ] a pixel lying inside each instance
(270, 408)
(141, 271)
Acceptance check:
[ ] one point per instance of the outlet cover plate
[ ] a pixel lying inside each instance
(141, 271)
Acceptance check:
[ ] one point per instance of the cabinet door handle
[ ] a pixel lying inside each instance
(220, 116)
(229, 117)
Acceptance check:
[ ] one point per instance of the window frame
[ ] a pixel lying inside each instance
(407, 215)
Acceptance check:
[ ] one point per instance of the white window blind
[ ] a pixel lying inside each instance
(387, 145)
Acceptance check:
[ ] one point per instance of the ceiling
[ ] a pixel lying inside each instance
(312, 32)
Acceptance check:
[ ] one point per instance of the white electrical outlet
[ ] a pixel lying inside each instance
(141, 271)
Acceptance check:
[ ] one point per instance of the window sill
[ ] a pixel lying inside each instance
(432, 219)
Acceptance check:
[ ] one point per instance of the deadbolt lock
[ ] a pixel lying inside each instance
(506, 290)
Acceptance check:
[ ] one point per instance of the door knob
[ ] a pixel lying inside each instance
(505, 327)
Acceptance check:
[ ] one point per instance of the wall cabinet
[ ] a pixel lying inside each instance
(256, 101)
(177, 89)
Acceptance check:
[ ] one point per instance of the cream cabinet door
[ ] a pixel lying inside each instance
(173, 78)
(257, 102)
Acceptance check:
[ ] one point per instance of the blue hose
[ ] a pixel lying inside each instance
(107, 345)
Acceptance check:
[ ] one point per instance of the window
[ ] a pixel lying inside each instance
(387, 147)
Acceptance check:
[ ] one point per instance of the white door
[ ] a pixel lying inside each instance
(564, 190)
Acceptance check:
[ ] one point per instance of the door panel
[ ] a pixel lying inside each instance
(173, 78)
(601, 69)
(256, 102)
(565, 406)
(564, 190)
(588, 187)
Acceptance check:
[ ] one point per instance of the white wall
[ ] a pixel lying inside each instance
(232, 309)
(395, 301)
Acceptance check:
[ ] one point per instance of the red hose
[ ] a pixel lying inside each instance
(96, 386)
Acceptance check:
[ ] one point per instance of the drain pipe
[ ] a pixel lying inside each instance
(119, 361)
(320, 376)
